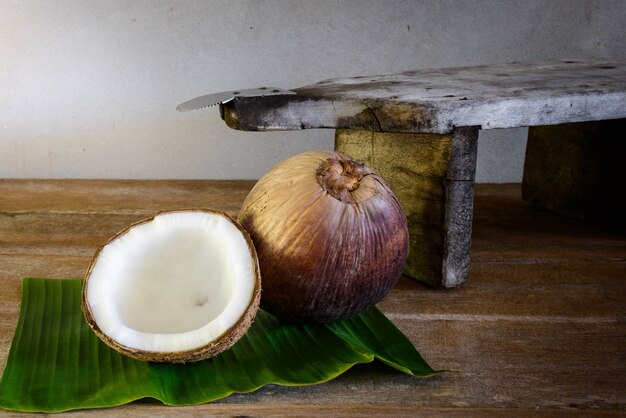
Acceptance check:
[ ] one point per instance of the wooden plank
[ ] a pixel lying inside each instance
(60, 233)
(509, 229)
(577, 170)
(147, 409)
(14, 267)
(433, 177)
(539, 330)
(126, 196)
(528, 363)
(501, 364)
(436, 100)
(504, 363)
(560, 292)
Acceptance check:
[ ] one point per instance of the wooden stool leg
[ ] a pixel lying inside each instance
(459, 208)
(433, 176)
(577, 170)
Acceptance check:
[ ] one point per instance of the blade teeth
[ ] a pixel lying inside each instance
(224, 97)
(191, 109)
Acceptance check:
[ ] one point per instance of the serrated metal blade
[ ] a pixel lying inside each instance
(226, 96)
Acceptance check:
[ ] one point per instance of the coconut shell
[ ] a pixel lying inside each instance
(330, 235)
(220, 344)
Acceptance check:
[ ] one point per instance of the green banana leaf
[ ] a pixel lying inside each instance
(56, 363)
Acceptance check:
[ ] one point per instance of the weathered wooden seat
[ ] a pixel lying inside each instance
(419, 129)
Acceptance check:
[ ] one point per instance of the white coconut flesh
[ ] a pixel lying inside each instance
(175, 283)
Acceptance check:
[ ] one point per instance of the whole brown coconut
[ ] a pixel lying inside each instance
(330, 234)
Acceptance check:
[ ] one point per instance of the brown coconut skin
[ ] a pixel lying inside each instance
(222, 343)
(330, 235)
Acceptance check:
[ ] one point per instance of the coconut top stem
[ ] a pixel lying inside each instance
(339, 178)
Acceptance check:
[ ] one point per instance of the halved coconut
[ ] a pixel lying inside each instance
(182, 286)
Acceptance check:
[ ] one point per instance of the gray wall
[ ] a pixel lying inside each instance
(88, 88)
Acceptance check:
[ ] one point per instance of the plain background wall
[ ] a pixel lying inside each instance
(88, 89)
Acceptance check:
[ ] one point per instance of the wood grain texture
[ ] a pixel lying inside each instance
(539, 330)
(437, 100)
(577, 169)
(143, 197)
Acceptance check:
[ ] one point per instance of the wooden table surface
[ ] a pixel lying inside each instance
(539, 330)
